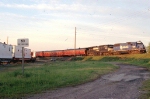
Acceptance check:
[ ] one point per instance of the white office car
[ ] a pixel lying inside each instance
(5, 52)
(17, 54)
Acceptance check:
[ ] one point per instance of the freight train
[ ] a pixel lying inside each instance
(109, 49)
(12, 53)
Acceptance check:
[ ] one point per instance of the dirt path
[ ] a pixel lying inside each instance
(122, 84)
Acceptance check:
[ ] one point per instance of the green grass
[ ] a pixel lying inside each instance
(146, 90)
(50, 76)
(53, 75)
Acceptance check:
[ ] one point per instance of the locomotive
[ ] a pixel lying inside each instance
(12, 53)
(100, 50)
(129, 48)
(108, 49)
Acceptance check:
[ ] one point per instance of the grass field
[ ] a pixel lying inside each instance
(49, 76)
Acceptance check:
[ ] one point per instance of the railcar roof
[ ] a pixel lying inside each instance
(107, 45)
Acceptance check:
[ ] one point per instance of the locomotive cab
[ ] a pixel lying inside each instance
(136, 47)
(140, 46)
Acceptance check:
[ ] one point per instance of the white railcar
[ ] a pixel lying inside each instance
(27, 53)
(5, 52)
(17, 53)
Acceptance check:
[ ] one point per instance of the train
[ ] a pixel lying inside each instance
(13, 53)
(101, 50)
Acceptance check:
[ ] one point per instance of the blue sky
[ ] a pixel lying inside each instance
(50, 24)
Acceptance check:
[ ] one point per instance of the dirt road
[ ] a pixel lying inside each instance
(122, 84)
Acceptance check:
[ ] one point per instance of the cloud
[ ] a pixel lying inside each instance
(79, 9)
(57, 7)
(36, 6)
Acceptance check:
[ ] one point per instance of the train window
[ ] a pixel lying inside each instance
(124, 46)
(140, 46)
(133, 46)
(95, 48)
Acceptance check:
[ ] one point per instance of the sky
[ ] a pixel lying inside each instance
(50, 24)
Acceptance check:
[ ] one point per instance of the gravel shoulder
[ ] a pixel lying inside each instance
(121, 84)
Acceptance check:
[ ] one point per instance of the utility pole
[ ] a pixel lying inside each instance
(7, 39)
(23, 61)
(75, 43)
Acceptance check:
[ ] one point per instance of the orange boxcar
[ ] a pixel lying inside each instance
(39, 54)
(46, 53)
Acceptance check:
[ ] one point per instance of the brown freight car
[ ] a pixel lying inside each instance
(59, 53)
(69, 52)
(81, 52)
(75, 52)
(39, 54)
(46, 53)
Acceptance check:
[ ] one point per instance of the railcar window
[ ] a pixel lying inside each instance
(140, 46)
(133, 46)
